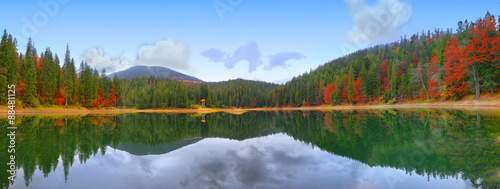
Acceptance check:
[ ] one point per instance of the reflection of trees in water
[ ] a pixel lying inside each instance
(439, 144)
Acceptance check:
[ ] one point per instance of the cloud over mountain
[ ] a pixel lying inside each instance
(96, 58)
(167, 53)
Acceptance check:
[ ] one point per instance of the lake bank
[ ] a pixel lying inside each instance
(471, 105)
(70, 111)
(483, 104)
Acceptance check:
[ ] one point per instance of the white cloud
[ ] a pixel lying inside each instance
(376, 22)
(249, 52)
(279, 60)
(96, 58)
(167, 53)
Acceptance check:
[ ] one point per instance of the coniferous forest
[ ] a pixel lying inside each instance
(430, 65)
(441, 64)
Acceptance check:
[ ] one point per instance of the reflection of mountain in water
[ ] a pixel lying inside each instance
(141, 149)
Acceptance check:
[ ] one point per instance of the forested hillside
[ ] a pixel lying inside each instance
(429, 65)
(240, 93)
(437, 65)
(40, 81)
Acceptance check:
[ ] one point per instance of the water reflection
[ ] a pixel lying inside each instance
(345, 149)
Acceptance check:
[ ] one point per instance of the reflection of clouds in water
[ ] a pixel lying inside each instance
(252, 168)
(222, 163)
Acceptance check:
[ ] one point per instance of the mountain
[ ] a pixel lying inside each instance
(158, 71)
(140, 149)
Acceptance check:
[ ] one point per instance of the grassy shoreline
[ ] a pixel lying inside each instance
(483, 104)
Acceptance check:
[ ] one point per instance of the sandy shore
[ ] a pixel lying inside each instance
(483, 105)
(468, 105)
(71, 111)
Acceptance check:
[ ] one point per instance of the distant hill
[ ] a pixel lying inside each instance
(241, 92)
(158, 71)
(243, 82)
(140, 149)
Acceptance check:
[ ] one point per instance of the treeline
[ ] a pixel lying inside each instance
(40, 80)
(430, 65)
(154, 92)
(438, 65)
(240, 93)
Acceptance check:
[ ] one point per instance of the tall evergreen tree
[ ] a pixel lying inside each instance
(8, 58)
(116, 90)
(48, 77)
(68, 81)
(350, 83)
(28, 79)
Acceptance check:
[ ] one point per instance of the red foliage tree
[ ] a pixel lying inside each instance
(343, 92)
(59, 101)
(358, 96)
(328, 91)
(483, 47)
(384, 79)
(101, 101)
(455, 71)
(433, 86)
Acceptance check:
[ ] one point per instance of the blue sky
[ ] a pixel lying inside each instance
(217, 40)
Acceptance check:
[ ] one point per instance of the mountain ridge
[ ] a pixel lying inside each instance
(158, 71)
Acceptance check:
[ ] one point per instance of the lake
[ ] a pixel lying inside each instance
(399, 148)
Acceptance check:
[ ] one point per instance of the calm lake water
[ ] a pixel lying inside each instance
(338, 149)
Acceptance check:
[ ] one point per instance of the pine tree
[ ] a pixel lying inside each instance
(350, 84)
(95, 82)
(372, 84)
(28, 74)
(297, 98)
(3, 65)
(68, 81)
(394, 79)
(116, 90)
(48, 77)
(8, 59)
(364, 79)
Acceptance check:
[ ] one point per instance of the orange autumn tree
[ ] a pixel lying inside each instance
(455, 70)
(433, 83)
(358, 96)
(343, 93)
(328, 91)
(384, 79)
(483, 48)
(113, 96)
(101, 100)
